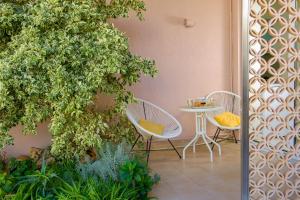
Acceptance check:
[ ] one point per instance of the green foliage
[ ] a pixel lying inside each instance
(92, 189)
(109, 159)
(127, 178)
(40, 184)
(62, 181)
(11, 16)
(55, 56)
(66, 170)
(120, 129)
(2, 165)
(136, 175)
(115, 163)
(6, 184)
(17, 168)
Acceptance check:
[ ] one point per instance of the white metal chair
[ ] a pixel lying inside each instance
(145, 110)
(229, 102)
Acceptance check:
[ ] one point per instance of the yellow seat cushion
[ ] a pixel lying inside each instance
(152, 127)
(228, 119)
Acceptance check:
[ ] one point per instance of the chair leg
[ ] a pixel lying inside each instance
(137, 139)
(216, 138)
(235, 140)
(216, 133)
(174, 149)
(149, 148)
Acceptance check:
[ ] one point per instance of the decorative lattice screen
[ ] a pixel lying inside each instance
(274, 80)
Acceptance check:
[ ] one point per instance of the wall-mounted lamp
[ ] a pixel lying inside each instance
(188, 23)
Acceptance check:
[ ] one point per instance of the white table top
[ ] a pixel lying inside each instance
(200, 109)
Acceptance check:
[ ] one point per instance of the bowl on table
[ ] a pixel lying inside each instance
(199, 102)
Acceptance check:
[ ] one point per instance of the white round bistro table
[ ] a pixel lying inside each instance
(201, 128)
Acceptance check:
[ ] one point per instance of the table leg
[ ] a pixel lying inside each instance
(189, 144)
(194, 144)
(205, 136)
(197, 135)
(198, 129)
(218, 145)
(201, 131)
(210, 151)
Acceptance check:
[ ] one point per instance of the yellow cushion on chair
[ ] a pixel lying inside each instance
(152, 127)
(228, 119)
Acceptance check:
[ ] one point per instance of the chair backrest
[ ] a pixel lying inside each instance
(143, 109)
(228, 101)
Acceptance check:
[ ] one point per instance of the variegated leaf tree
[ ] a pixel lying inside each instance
(55, 56)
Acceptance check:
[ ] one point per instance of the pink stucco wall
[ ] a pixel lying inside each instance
(192, 62)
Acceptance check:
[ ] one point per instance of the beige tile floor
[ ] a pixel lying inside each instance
(196, 178)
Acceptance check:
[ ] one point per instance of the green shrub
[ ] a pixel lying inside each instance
(66, 170)
(115, 163)
(17, 168)
(93, 189)
(2, 165)
(40, 184)
(120, 129)
(136, 174)
(109, 159)
(6, 184)
(3, 157)
(55, 57)
(114, 175)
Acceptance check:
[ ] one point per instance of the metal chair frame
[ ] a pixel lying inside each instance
(143, 133)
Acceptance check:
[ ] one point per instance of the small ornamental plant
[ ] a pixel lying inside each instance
(55, 57)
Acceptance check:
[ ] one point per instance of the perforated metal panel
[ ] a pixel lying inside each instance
(274, 99)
